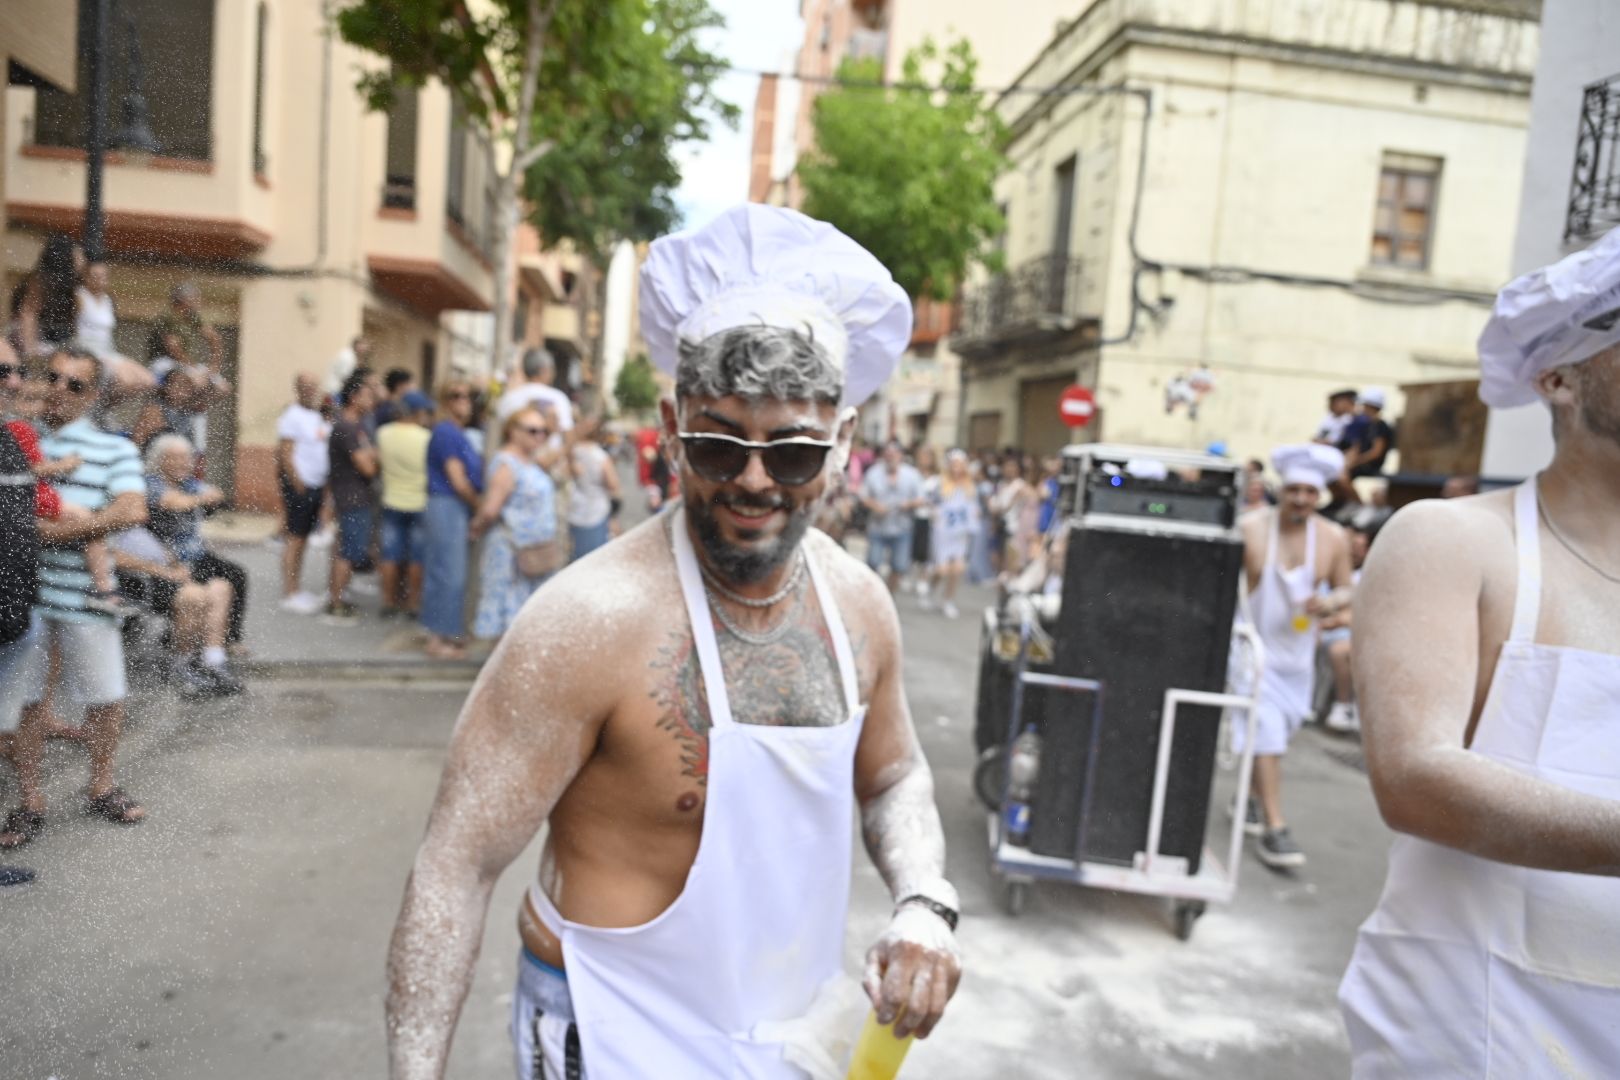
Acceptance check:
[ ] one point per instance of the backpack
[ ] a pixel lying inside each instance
(19, 541)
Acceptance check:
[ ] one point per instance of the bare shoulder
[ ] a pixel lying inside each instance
(595, 612)
(863, 598)
(1456, 541)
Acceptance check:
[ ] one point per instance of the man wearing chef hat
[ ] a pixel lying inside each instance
(1289, 552)
(676, 923)
(1488, 664)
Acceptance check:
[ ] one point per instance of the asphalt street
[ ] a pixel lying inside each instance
(240, 932)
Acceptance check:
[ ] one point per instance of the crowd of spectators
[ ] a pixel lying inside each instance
(401, 482)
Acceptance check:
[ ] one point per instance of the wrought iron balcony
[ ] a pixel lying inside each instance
(1039, 299)
(1594, 190)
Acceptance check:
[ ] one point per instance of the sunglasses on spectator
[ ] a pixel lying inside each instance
(720, 458)
(8, 370)
(75, 386)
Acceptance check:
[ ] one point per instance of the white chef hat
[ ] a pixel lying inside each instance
(1560, 314)
(766, 265)
(1315, 464)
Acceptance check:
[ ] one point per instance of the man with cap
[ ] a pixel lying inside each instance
(1369, 438)
(1289, 552)
(676, 925)
(1488, 664)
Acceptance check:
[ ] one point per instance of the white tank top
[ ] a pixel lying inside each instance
(96, 322)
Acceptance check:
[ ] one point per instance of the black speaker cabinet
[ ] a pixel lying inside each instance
(1142, 611)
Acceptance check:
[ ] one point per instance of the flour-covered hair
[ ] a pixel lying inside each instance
(759, 363)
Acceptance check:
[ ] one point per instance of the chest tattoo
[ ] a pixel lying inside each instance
(791, 682)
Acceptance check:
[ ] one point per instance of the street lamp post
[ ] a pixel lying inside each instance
(134, 134)
(95, 146)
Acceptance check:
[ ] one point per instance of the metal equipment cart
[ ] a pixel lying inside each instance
(1151, 873)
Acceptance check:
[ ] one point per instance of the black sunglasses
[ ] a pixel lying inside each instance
(721, 458)
(8, 370)
(75, 386)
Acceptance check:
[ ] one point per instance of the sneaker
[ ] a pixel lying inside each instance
(190, 683)
(1278, 850)
(925, 601)
(301, 603)
(949, 610)
(342, 613)
(1344, 718)
(221, 680)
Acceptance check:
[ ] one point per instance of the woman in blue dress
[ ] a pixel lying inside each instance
(519, 511)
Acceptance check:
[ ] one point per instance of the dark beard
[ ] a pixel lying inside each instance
(748, 567)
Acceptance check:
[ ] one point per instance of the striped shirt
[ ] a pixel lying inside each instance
(111, 467)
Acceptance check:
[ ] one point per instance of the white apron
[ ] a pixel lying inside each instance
(1289, 680)
(760, 924)
(1473, 968)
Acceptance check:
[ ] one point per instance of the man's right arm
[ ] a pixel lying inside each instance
(126, 511)
(1417, 669)
(524, 734)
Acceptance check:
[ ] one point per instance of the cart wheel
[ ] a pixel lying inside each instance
(1187, 914)
(1017, 895)
(989, 776)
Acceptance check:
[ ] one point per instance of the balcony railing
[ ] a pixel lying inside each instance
(1594, 190)
(1040, 297)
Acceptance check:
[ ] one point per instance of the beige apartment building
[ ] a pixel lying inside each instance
(307, 220)
(919, 404)
(1325, 199)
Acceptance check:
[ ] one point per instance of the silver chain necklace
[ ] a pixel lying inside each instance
(777, 597)
(752, 637)
(1569, 547)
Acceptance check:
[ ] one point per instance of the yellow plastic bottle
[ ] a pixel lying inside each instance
(878, 1053)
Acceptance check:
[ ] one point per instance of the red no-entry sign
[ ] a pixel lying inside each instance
(1077, 406)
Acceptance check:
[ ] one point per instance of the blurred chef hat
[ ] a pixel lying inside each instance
(1314, 464)
(765, 265)
(1560, 314)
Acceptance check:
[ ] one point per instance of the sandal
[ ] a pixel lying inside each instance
(21, 826)
(116, 806)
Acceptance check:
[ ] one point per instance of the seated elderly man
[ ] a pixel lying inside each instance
(204, 593)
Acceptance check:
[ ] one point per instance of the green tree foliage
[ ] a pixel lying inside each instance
(636, 389)
(907, 171)
(584, 102)
(616, 177)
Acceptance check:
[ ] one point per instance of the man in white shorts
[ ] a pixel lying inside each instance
(109, 482)
(1289, 552)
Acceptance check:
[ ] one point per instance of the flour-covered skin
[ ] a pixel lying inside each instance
(528, 726)
(560, 725)
(1433, 609)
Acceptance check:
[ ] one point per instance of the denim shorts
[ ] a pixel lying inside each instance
(402, 536)
(354, 535)
(891, 551)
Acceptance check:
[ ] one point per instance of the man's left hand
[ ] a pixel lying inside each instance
(912, 971)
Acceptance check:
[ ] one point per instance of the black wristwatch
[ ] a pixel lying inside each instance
(950, 915)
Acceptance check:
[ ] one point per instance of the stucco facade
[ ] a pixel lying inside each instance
(302, 226)
(1253, 259)
(1580, 48)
